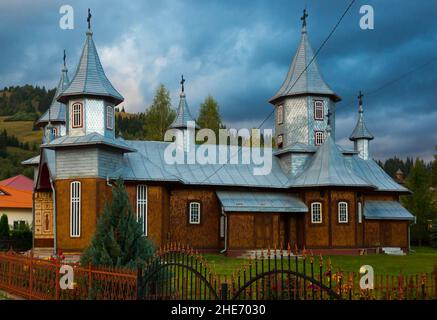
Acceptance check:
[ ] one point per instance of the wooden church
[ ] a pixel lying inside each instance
(318, 195)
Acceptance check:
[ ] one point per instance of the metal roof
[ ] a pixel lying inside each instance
(183, 115)
(34, 161)
(56, 111)
(90, 78)
(328, 168)
(297, 147)
(311, 81)
(361, 131)
(375, 175)
(386, 210)
(246, 201)
(89, 139)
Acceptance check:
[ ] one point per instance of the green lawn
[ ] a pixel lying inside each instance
(422, 260)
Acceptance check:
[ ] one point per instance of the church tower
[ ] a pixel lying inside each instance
(361, 136)
(303, 101)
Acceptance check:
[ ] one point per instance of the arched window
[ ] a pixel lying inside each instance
(77, 115)
(109, 117)
(280, 115)
(318, 110)
(316, 212)
(360, 212)
(75, 195)
(46, 222)
(194, 213)
(343, 213)
(318, 138)
(142, 207)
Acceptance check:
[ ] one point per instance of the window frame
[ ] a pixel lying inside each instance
(142, 207)
(343, 205)
(110, 125)
(280, 145)
(75, 209)
(319, 104)
(316, 133)
(190, 212)
(80, 115)
(280, 115)
(313, 204)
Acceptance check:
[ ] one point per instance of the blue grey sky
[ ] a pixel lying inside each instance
(239, 51)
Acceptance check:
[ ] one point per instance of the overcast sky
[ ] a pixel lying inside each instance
(239, 51)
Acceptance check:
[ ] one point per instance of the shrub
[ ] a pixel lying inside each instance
(4, 227)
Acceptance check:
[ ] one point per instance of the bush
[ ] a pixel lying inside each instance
(4, 227)
(21, 239)
(434, 234)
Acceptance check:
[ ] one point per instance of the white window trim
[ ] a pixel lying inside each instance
(142, 207)
(360, 212)
(109, 124)
(198, 212)
(280, 115)
(346, 206)
(312, 212)
(80, 115)
(75, 209)
(316, 139)
(319, 103)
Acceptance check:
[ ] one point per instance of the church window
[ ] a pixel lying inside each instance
(194, 213)
(109, 117)
(318, 138)
(318, 110)
(54, 131)
(280, 114)
(75, 209)
(280, 141)
(77, 115)
(316, 212)
(360, 212)
(343, 214)
(142, 207)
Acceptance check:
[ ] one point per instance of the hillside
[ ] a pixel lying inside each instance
(22, 130)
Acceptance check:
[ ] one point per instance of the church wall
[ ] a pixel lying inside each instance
(344, 234)
(386, 233)
(295, 125)
(74, 163)
(318, 125)
(43, 225)
(204, 235)
(317, 235)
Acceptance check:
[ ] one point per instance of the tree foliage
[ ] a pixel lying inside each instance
(209, 116)
(434, 171)
(4, 227)
(118, 241)
(420, 202)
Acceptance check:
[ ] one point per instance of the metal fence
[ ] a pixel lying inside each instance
(176, 272)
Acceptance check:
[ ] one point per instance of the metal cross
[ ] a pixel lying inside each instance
(328, 116)
(89, 19)
(182, 83)
(360, 98)
(65, 57)
(304, 18)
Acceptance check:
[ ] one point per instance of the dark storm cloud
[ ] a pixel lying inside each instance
(239, 51)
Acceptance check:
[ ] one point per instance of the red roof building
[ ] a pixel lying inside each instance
(19, 182)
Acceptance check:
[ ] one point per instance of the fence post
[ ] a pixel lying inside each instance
(138, 281)
(224, 291)
(90, 279)
(57, 288)
(31, 275)
(435, 281)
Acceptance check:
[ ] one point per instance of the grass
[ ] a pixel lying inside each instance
(22, 130)
(422, 260)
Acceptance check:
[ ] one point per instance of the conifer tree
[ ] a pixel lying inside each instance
(4, 227)
(434, 234)
(434, 171)
(118, 241)
(209, 116)
(159, 116)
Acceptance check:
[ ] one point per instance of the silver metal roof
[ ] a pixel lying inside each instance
(90, 78)
(56, 111)
(386, 210)
(328, 168)
(251, 201)
(311, 81)
(375, 175)
(89, 139)
(34, 161)
(361, 131)
(183, 114)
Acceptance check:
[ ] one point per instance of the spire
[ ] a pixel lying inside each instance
(183, 113)
(56, 111)
(361, 131)
(299, 81)
(89, 78)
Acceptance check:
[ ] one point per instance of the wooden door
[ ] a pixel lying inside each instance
(263, 231)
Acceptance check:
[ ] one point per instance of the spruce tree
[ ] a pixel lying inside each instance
(159, 116)
(434, 171)
(433, 234)
(4, 227)
(209, 116)
(118, 240)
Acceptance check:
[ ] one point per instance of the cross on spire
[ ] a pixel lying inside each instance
(360, 98)
(304, 18)
(88, 19)
(182, 83)
(65, 58)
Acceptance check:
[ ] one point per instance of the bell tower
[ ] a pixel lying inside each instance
(361, 136)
